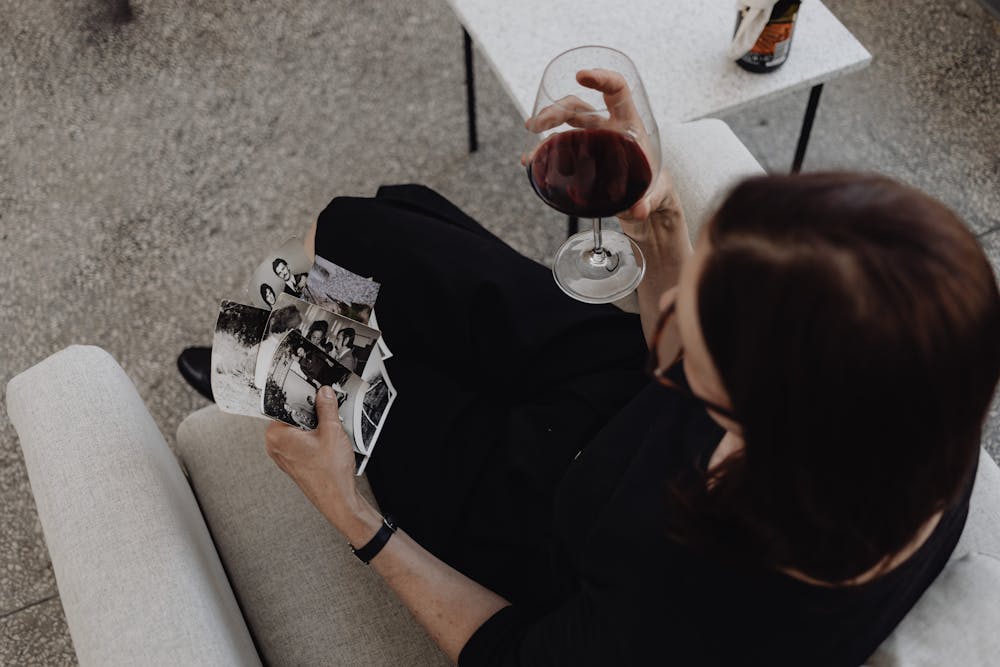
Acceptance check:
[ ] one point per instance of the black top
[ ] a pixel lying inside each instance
(634, 597)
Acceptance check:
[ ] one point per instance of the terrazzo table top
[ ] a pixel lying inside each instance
(679, 47)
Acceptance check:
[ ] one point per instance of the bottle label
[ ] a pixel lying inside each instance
(774, 34)
(772, 46)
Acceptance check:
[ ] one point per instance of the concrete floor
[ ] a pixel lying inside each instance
(137, 159)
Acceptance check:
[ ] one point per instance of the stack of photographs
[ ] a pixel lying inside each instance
(309, 325)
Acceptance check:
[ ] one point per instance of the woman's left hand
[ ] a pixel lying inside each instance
(659, 210)
(321, 461)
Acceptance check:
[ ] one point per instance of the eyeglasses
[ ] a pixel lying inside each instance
(663, 375)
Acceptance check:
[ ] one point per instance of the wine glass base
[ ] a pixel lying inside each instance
(598, 279)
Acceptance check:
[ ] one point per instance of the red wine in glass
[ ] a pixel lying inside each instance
(593, 152)
(590, 173)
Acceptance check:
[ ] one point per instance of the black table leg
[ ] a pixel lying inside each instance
(572, 225)
(807, 124)
(470, 93)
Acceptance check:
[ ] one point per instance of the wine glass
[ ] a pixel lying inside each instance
(593, 154)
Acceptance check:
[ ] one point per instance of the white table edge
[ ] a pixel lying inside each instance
(802, 85)
(525, 113)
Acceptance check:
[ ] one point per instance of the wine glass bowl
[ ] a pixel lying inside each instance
(594, 152)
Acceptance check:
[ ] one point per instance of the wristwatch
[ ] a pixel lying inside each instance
(374, 546)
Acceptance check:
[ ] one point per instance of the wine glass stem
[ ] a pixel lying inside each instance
(598, 249)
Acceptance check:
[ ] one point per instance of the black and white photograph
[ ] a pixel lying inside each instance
(376, 402)
(381, 344)
(361, 462)
(346, 340)
(283, 271)
(340, 290)
(238, 331)
(297, 370)
(280, 322)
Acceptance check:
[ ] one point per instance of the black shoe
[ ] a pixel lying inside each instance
(195, 364)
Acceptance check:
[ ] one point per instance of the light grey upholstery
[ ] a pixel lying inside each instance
(955, 622)
(306, 598)
(706, 160)
(139, 578)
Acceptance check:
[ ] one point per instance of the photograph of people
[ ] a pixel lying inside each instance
(346, 340)
(318, 368)
(284, 269)
(317, 335)
(293, 282)
(343, 349)
(267, 294)
(296, 369)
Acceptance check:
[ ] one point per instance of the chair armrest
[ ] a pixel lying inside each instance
(982, 528)
(706, 160)
(138, 576)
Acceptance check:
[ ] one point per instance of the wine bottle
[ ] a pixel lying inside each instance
(772, 47)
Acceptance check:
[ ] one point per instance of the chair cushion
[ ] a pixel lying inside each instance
(955, 621)
(306, 599)
(138, 574)
(982, 529)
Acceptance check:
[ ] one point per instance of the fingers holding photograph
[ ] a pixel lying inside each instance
(238, 331)
(296, 372)
(284, 270)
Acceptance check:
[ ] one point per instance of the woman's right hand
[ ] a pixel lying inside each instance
(321, 461)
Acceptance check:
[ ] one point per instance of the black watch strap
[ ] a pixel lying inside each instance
(370, 550)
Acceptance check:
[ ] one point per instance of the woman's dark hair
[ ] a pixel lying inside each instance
(855, 325)
(319, 325)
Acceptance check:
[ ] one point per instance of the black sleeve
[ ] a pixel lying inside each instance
(577, 633)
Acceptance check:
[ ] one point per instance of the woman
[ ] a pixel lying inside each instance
(782, 493)
(317, 335)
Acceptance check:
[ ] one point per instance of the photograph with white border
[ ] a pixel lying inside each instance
(374, 406)
(373, 322)
(238, 331)
(341, 291)
(297, 370)
(346, 340)
(284, 270)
